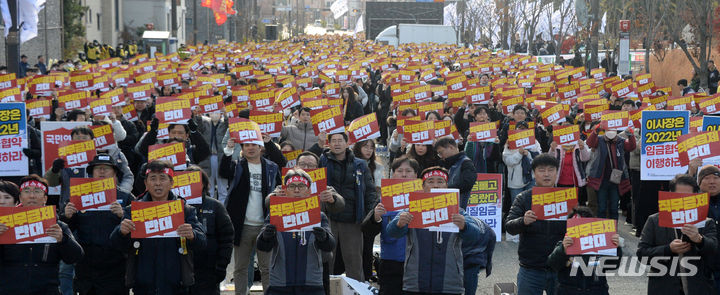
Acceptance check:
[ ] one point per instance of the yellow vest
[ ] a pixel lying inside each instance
(92, 53)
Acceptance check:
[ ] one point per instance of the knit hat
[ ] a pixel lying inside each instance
(707, 170)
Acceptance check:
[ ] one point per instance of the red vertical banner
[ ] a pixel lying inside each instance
(27, 225)
(395, 193)
(678, 209)
(432, 209)
(591, 236)
(157, 219)
(553, 203)
(295, 214)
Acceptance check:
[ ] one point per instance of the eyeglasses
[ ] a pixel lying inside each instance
(33, 191)
(296, 186)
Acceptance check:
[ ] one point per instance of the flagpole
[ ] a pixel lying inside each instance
(12, 42)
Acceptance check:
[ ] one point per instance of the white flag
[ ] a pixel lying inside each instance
(338, 8)
(360, 25)
(28, 18)
(28, 11)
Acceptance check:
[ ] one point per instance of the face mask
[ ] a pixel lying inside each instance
(610, 134)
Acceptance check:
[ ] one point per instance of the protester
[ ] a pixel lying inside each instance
(448, 277)
(253, 178)
(537, 237)
(392, 250)
(518, 162)
(460, 168)
(610, 178)
(300, 134)
(353, 180)
(33, 268)
(102, 269)
(689, 241)
(160, 265)
(296, 261)
(562, 263)
(213, 128)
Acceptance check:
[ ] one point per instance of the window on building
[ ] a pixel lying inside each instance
(88, 17)
(98, 22)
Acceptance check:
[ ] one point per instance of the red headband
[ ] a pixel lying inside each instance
(433, 173)
(34, 183)
(167, 171)
(298, 178)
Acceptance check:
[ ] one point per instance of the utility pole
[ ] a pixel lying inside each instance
(594, 39)
(173, 15)
(195, 22)
(12, 42)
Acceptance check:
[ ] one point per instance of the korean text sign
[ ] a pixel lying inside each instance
(432, 209)
(93, 194)
(157, 219)
(173, 152)
(295, 214)
(27, 224)
(395, 193)
(591, 236)
(553, 203)
(188, 185)
(77, 153)
(659, 157)
(13, 138)
(485, 201)
(678, 209)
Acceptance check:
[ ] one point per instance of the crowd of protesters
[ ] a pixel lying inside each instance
(95, 253)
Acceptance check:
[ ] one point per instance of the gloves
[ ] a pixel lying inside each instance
(154, 124)
(192, 125)
(57, 165)
(320, 233)
(269, 232)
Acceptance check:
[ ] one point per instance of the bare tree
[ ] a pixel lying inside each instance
(565, 12)
(695, 17)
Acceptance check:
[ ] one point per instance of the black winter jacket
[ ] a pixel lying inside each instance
(538, 239)
(33, 268)
(155, 266)
(211, 262)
